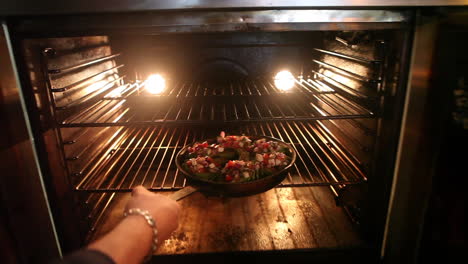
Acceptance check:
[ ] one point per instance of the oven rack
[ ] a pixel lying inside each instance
(144, 155)
(242, 102)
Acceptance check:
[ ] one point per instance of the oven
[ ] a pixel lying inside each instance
(98, 103)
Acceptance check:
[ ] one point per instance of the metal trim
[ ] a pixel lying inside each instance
(214, 21)
(417, 147)
(27, 7)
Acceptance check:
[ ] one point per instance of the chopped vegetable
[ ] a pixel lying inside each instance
(237, 158)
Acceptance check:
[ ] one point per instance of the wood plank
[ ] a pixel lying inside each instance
(279, 219)
(182, 240)
(344, 232)
(289, 216)
(314, 218)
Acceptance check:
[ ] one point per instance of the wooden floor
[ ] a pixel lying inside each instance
(279, 219)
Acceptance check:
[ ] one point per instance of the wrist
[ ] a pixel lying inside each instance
(139, 217)
(138, 225)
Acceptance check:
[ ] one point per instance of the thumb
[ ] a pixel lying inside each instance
(139, 190)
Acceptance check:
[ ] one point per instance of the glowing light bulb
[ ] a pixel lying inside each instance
(284, 80)
(155, 84)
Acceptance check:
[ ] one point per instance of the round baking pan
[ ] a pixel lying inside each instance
(235, 188)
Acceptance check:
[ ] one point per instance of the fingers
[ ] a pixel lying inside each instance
(139, 190)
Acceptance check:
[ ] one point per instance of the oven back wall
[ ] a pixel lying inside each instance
(221, 56)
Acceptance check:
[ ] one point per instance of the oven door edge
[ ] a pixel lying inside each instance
(23, 194)
(418, 148)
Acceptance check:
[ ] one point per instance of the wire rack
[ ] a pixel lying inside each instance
(144, 155)
(151, 129)
(192, 103)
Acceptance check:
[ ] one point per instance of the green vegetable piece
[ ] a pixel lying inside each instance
(228, 154)
(243, 155)
(192, 155)
(207, 175)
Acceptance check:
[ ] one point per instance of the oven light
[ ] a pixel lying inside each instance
(284, 80)
(155, 84)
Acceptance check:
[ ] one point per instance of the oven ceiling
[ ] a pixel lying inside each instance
(28, 7)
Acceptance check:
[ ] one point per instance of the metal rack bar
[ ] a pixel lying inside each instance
(351, 105)
(121, 157)
(174, 151)
(83, 65)
(308, 90)
(346, 72)
(131, 151)
(82, 114)
(322, 160)
(320, 86)
(317, 168)
(289, 106)
(108, 114)
(329, 171)
(159, 129)
(298, 155)
(344, 153)
(177, 170)
(94, 94)
(264, 88)
(91, 141)
(161, 161)
(101, 109)
(127, 122)
(111, 158)
(97, 159)
(343, 133)
(336, 107)
(97, 204)
(127, 90)
(154, 156)
(281, 137)
(349, 120)
(248, 89)
(68, 87)
(343, 87)
(333, 147)
(348, 57)
(102, 213)
(171, 88)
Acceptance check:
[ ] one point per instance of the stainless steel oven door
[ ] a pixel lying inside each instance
(23, 197)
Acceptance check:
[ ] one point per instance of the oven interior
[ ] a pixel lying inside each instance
(112, 132)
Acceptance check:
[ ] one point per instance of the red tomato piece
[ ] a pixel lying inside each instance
(230, 164)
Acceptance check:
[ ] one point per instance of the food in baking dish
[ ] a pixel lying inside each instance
(236, 158)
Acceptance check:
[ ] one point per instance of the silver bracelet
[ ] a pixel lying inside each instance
(149, 219)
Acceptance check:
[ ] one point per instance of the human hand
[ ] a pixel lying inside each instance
(164, 210)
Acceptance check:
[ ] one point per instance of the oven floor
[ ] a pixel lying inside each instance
(280, 219)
